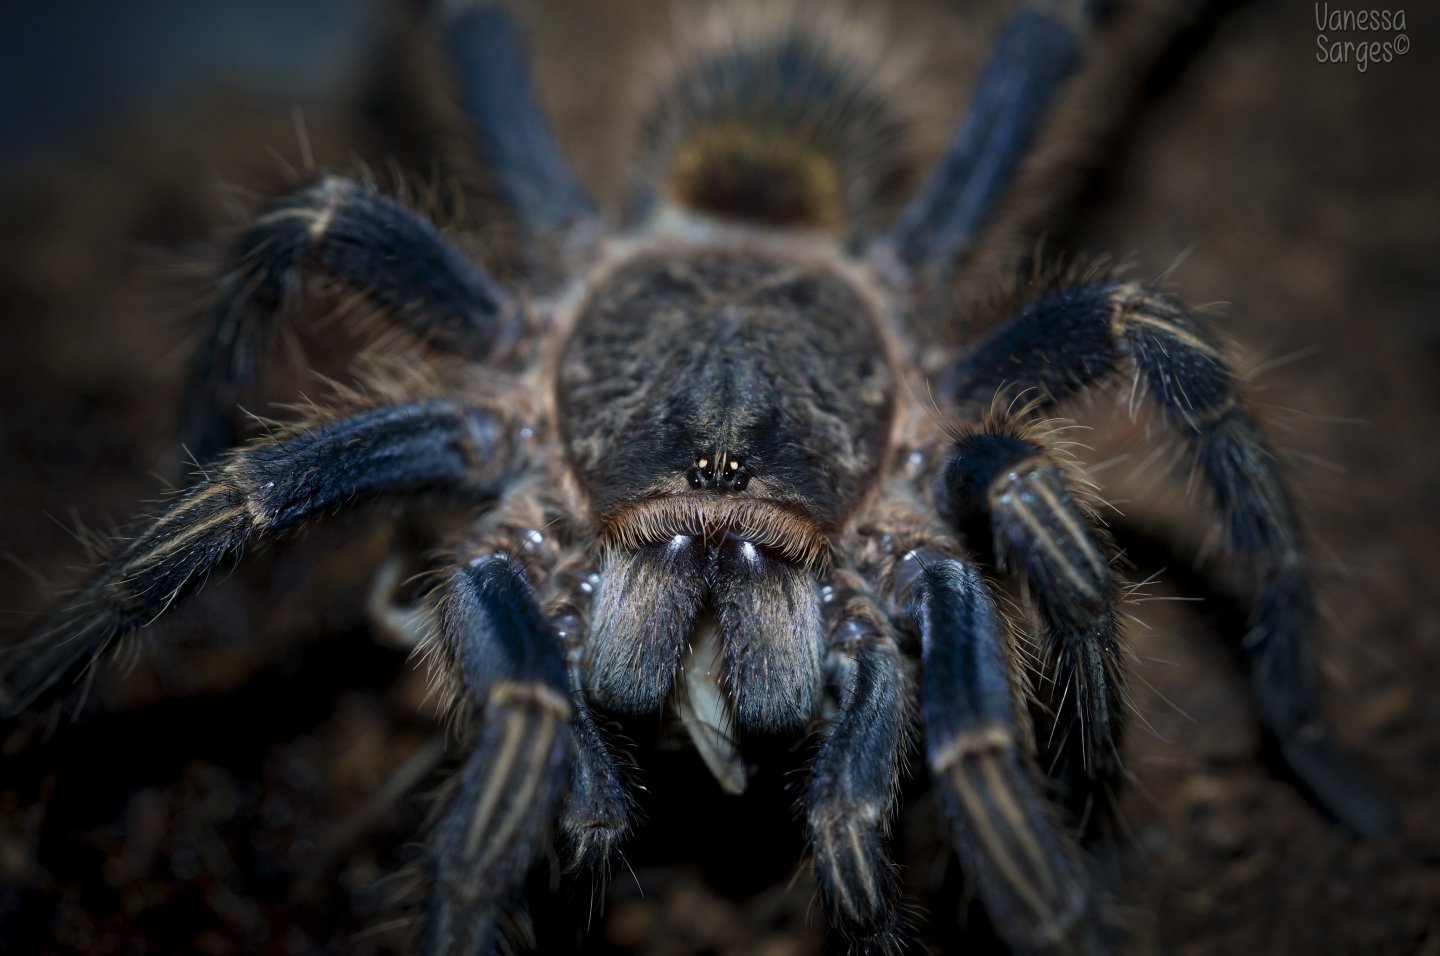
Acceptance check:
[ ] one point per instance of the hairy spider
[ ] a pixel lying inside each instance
(707, 490)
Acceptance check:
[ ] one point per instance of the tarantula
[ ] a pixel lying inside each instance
(706, 486)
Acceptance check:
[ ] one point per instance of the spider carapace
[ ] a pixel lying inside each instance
(708, 486)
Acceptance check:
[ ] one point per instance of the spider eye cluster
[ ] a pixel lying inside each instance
(718, 470)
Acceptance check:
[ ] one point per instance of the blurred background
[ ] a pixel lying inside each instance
(82, 74)
(255, 784)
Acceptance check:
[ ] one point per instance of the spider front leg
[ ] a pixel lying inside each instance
(1010, 495)
(596, 813)
(1026, 869)
(508, 674)
(366, 248)
(268, 487)
(851, 799)
(1072, 338)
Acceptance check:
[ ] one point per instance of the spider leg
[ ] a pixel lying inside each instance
(851, 798)
(493, 72)
(1011, 497)
(596, 813)
(268, 487)
(1037, 51)
(510, 678)
(1070, 339)
(358, 243)
(1026, 869)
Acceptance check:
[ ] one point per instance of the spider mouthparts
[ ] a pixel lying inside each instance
(768, 526)
(660, 610)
